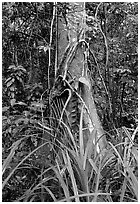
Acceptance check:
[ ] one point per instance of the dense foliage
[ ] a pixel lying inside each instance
(37, 166)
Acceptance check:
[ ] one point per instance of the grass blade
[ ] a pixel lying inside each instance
(123, 190)
(10, 156)
(89, 147)
(85, 195)
(64, 187)
(75, 189)
(81, 143)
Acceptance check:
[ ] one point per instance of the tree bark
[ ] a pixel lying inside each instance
(72, 34)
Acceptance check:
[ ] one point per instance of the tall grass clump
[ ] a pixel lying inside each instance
(74, 169)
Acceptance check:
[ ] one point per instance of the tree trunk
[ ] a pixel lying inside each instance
(72, 54)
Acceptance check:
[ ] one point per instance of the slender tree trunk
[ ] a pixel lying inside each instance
(72, 52)
(72, 85)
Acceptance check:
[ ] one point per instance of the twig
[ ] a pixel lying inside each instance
(49, 64)
(106, 45)
(56, 49)
(105, 39)
(101, 78)
(97, 10)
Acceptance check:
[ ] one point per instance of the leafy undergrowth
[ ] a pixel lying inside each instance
(38, 167)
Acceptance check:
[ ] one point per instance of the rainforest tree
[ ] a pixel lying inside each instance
(69, 74)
